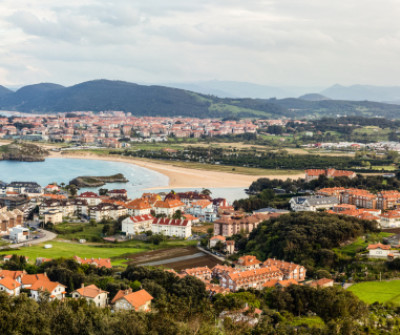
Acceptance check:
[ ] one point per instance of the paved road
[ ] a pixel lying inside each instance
(48, 236)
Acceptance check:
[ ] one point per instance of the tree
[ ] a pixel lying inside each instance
(177, 214)
(206, 191)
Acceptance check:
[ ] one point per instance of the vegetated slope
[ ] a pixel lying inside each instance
(4, 91)
(313, 97)
(23, 152)
(333, 108)
(141, 100)
(101, 95)
(305, 238)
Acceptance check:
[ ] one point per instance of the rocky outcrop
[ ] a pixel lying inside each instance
(23, 152)
(98, 181)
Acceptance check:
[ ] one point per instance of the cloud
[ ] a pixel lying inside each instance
(308, 42)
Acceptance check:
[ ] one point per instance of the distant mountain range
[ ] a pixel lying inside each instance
(143, 100)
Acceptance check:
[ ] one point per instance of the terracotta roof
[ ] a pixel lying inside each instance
(197, 271)
(202, 203)
(9, 283)
(98, 262)
(11, 274)
(378, 246)
(141, 218)
(138, 204)
(248, 260)
(31, 279)
(45, 285)
(136, 299)
(171, 222)
(254, 273)
(218, 237)
(91, 291)
(88, 195)
(173, 203)
(321, 282)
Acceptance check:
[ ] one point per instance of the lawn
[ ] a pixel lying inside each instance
(309, 321)
(360, 244)
(383, 292)
(117, 252)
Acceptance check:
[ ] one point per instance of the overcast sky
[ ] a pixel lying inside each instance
(277, 42)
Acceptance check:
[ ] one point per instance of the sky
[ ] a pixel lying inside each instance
(271, 42)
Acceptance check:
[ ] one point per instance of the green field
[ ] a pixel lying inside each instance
(117, 252)
(383, 292)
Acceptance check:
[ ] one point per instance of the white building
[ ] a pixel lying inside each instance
(172, 228)
(168, 207)
(10, 286)
(92, 294)
(134, 225)
(19, 234)
(379, 250)
(139, 301)
(55, 290)
(91, 198)
(312, 203)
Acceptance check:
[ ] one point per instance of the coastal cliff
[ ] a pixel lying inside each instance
(23, 152)
(97, 181)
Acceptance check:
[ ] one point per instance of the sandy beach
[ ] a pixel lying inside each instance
(180, 177)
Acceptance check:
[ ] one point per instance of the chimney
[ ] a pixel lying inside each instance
(83, 285)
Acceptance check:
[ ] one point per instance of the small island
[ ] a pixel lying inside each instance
(98, 181)
(23, 152)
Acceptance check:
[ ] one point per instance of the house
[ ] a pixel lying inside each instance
(138, 207)
(218, 270)
(55, 290)
(19, 234)
(312, 203)
(53, 216)
(387, 199)
(92, 294)
(105, 211)
(359, 198)
(247, 262)
(280, 283)
(203, 209)
(119, 194)
(230, 247)
(10, 219)
(91, 198)
(215, 239)
(290, 270)
(378, 250)
(390, 219)
(172, 227)
(230, 224)
(323, 282)
(312, 174)
(139, 301)
(250, 278)
(10, 286)
(28, 280)
(138, 224)
(168, 207)
(97, 262)
(203, 273)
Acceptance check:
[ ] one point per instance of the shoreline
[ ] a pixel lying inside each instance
(180, 177)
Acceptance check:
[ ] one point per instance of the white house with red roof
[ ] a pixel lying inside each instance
(138, 224)
(172, 227)
(139, 301)
(168, 207)
(92, 294)
(10, 286)
(91, 198)
(215, 239)
(55, 290)
(379, 250)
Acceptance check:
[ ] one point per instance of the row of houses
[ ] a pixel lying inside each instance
(248, 272)
(12, 282)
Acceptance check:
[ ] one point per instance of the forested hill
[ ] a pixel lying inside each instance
(141, 100)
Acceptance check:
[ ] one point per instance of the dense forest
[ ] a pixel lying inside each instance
(305, 238)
